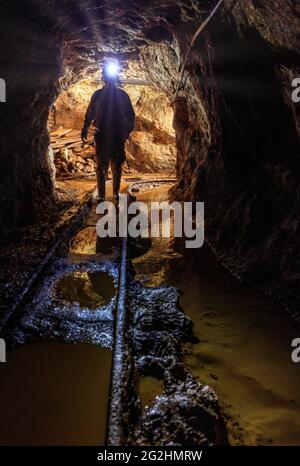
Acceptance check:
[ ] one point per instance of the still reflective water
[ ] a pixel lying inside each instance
(54, 394)
(89, 289)
(244, 351)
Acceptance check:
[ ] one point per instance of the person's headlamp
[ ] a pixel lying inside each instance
(111, 70)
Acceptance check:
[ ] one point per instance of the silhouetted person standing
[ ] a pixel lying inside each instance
(111, 112)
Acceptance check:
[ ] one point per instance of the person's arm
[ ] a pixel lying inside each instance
(129, 118)
(89, 118)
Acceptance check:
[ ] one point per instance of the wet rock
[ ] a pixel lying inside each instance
(156, 308)
(48, 318)
(237, 134)
(159, 345)
(151, 147)
(187, 413)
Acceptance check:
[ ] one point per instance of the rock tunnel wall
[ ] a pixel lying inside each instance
(151, 147)
(30, 64)
(238, 138)
(241, 152)
(237, 129)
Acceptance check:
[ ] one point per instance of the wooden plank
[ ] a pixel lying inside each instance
(60, 145)
(60, 133)
(69, 146)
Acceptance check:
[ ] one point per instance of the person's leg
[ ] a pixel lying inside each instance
(102, 168)
(116, 168)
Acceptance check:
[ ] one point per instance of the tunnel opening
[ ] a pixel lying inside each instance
(151, 148)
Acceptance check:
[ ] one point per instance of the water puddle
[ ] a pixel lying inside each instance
(245, 341)
(88, 243)
(55, 394)
(138, 247)
(56, 391)
(149, 388)
(85, 242)
(89, 289)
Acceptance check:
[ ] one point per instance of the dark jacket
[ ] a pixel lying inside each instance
(111, 112)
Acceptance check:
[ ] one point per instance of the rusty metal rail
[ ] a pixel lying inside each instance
(156, 183)
(121, 380)
(121, 373)
(119, 377)
(35, 278)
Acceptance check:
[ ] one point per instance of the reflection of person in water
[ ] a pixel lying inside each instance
(102, 284)
(107, 245)
(111, 112)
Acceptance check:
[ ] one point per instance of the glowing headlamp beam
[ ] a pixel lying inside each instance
(112, 69)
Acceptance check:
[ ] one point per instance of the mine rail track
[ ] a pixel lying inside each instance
(118, 408)
(25, 294)
(120, 383)
(119, 373)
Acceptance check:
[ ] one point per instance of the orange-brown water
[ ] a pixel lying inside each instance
(57, 394)
(54, 394)
(245, 341)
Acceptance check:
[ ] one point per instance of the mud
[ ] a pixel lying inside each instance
(24, 248)
(48, 317)
(193, 330)
(158, 326)
(240, 352)
(187, 412)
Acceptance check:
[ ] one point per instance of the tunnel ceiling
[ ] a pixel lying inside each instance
(237, 128)
(91, 29)
(88, 30)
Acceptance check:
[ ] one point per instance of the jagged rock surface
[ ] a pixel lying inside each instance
(187, 413)
(237, 129)
(151, 147)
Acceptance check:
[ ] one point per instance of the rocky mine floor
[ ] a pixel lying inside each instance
(23, 249)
